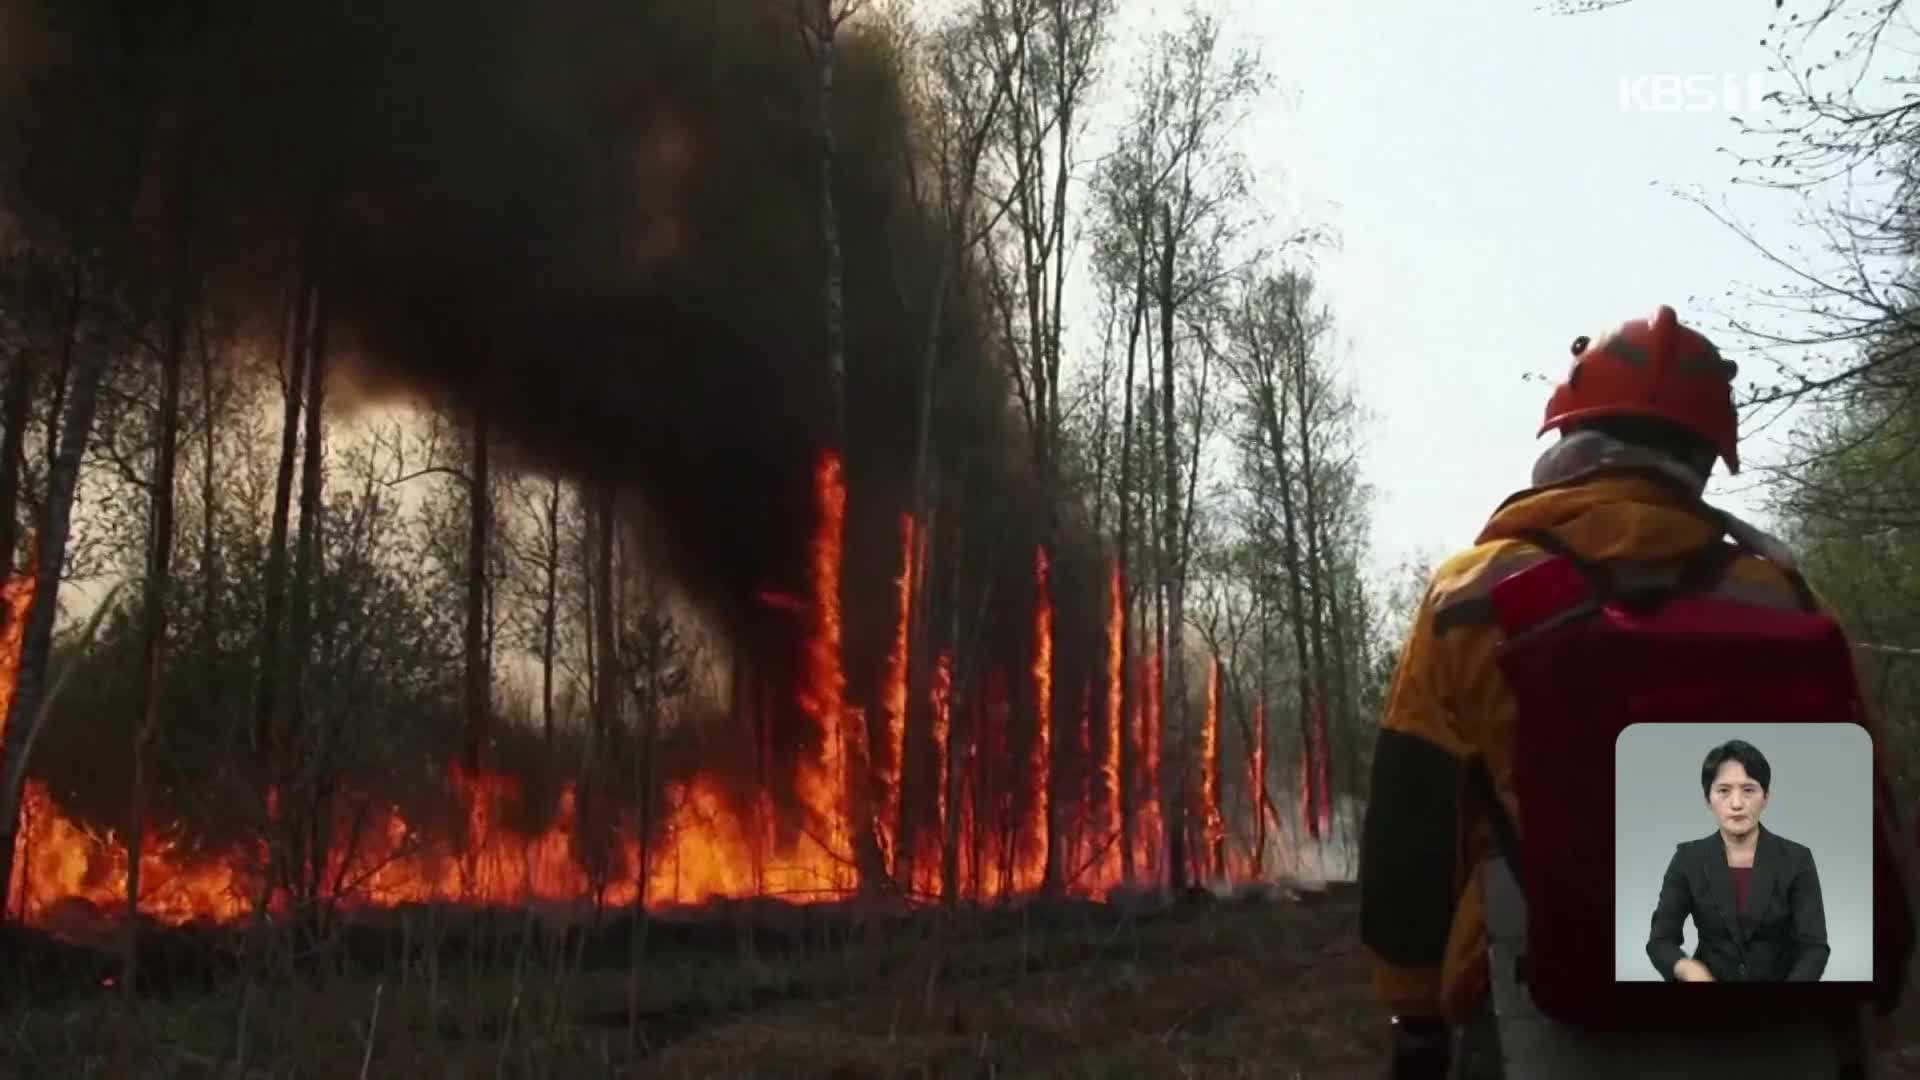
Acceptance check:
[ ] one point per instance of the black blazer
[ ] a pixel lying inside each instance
(1781, 937)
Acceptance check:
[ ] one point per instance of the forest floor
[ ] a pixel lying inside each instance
(1243, 988)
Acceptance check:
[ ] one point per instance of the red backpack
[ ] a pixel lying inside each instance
(1592, 648)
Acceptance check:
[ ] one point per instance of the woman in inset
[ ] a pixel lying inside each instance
(1753, 894)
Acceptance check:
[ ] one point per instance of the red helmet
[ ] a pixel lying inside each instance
(1657, 369)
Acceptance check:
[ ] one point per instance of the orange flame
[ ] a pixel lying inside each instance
(16, 600)
(1150, 766)
(1210, 768)
(823, 783)
(1083, 802)
(942, 731)
(896, 696)
(1257, 779)
(1110, 768)
(1042, 772)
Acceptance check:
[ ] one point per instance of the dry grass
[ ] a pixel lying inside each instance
(1231, 989)
(1242, 989)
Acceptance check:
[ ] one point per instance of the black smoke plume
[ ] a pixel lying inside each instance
(594, 222)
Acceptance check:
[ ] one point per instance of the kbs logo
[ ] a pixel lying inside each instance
(1691, 93)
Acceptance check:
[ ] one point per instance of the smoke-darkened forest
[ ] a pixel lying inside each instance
(611, 453)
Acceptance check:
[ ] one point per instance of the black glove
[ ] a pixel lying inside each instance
(1420, 1048)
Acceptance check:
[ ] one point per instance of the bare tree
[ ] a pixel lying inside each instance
(1052, 51)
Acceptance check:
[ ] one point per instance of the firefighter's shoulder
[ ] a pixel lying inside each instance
(1460, 593)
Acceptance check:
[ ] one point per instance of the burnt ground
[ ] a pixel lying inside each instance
(1244, 988)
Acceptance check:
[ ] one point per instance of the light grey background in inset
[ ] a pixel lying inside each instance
(1821, 795)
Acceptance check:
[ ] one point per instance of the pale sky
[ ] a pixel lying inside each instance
(1494, 200)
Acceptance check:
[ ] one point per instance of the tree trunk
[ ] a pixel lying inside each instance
(549, 614)
(1174, 710)
(37, 645)
(270, 669)
(1311, 525)
(209, 509)
(478, 677)
(956, 713)
(306, 568)
(154, 599)
(14, 407)
(919, 645)
(63, 379)
(1129, 813)
(607, 676)
(832, 300)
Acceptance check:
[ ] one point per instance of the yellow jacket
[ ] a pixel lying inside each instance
(1421, 903)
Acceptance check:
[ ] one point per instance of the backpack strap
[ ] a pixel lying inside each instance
(1700, 572)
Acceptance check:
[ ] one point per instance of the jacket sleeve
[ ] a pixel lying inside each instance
(1409, 839)
(1669, 918)
(1809, 924)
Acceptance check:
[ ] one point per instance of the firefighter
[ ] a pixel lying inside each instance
(1643, 415)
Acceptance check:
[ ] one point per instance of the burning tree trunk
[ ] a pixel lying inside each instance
(1129, 814)
(1115, 767)
(37, 646)
(889, 782)
(1257, 753)
(1045, 783)
(1216, 862)
(479, 682)
(1174, 707)
(955, 773)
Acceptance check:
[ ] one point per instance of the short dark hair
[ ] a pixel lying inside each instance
(1670, 439)
(1749, 757)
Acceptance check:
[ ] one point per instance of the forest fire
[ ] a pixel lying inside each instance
(988, 836)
